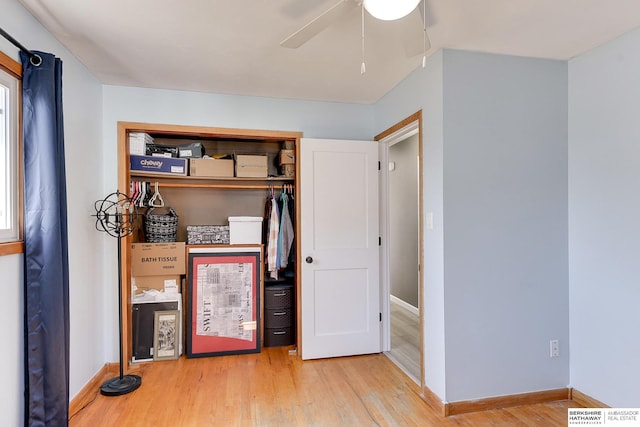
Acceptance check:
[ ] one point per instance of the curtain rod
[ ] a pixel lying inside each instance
(33, 58)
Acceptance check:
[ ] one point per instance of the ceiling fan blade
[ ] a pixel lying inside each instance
(430, 16)
(413, 41)
(314, 27)
(295, 8)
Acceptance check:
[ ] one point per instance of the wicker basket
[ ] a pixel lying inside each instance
(160, 227)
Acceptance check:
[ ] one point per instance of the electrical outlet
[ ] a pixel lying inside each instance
(554, 348)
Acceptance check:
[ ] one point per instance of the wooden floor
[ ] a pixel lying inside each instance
(405, 340)
(275, 389)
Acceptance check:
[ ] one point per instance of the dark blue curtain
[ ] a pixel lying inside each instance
(46, 266)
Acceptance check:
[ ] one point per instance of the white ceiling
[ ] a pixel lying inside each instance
(232, 46)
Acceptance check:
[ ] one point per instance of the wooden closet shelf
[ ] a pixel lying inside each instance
(180, 181)
(212, 185)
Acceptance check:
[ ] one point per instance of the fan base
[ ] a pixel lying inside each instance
(120, 385)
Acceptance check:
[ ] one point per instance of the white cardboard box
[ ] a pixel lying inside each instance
(245, 230)
(158, 259)
(138, 143)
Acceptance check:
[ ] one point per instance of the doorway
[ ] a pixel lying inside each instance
(402, 237)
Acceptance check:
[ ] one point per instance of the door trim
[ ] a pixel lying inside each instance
(386, 138)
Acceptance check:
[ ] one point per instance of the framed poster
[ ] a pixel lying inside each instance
(224, 287)
(166, 333)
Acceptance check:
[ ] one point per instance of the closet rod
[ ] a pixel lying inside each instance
(35, 59)
(223, 186)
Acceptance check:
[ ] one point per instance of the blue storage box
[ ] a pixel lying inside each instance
(164, 165)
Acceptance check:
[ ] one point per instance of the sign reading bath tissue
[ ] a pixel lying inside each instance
(157, 259)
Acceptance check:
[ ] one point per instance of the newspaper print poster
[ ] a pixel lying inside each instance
(224, 300)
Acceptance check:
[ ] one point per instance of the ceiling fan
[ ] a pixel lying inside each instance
(415, 42)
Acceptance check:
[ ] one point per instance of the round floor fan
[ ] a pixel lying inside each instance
(116, 215)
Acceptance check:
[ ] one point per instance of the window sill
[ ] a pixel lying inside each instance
(11, 248)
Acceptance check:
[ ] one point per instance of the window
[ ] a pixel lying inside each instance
(9, 155)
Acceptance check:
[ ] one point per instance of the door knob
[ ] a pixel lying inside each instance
(309, 260)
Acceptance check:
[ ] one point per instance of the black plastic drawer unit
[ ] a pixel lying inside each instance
(279, 315)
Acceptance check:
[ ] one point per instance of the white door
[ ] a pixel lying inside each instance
(340, 289)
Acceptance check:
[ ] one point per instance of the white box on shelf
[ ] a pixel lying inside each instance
(138, 143)
(245, 230)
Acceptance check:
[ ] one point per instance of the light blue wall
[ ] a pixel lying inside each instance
(604, 221)
(505, 208)
(83, 139)
(423, 90)
(315, 119)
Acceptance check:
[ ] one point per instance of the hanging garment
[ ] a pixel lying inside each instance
(272, 243)
(278, 252)
(285, 239)
(266, 229)
(292, 217)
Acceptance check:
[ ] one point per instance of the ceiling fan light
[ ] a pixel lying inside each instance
(389, 10)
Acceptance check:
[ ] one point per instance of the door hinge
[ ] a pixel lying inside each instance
(379, 165)
(381, 317)
(379, 240)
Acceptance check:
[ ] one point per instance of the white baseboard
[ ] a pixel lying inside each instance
(405, 305)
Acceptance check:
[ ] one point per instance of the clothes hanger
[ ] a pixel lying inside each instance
(142, 186)
(157, 197)
(132, 191)
(135, 197)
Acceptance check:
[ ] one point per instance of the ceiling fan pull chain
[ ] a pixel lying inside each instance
(363, 67)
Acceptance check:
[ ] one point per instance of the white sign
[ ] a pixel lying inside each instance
(627, 417)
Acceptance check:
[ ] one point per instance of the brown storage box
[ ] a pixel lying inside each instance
(221, 168)
(160, 283)
(248, 166)
(288, 171)
(287, 157)
(157, 259)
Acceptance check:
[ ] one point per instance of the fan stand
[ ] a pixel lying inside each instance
(122, 384)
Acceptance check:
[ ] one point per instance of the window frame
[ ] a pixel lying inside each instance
(14, 69)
